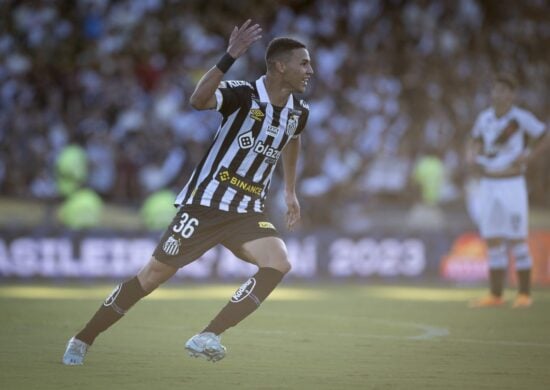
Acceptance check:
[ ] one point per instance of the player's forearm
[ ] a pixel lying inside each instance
(203, 96)
(473, 149)
(290, 161)
(540, 145)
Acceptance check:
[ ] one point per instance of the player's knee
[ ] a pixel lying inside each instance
(284, 266)
(279, 260)
(497, 257)
(520, 251)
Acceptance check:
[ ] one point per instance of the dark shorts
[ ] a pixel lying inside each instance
(196, 229)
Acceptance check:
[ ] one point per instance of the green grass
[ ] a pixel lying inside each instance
(304, 337)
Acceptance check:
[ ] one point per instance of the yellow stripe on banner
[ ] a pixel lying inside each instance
(100, 292)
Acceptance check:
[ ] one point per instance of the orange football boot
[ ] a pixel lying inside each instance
(487, 301)
(522, 301)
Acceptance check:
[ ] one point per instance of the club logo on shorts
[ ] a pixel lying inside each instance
(111, 298)
(244, 290)
(171, 246)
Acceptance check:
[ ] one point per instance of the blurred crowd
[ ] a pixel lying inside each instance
(398, 84)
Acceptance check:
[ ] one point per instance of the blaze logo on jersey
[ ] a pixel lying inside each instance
(256, 114)
(266, 150)
(246, 140)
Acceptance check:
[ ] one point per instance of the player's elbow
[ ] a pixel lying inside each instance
(197, 102)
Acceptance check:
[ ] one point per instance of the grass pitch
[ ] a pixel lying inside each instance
(304, 337)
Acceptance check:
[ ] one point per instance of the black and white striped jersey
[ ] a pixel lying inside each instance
(236, 171)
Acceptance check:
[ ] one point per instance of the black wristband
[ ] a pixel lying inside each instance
(225, 62)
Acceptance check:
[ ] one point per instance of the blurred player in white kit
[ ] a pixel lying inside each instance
(504, 139)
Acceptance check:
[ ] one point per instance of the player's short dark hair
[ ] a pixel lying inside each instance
(507, 79)
(280, 47)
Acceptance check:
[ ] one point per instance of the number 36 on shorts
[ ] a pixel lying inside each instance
(186, 225)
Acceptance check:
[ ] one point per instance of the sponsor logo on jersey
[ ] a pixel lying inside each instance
(224, 176)
(266, 150)
(272, 130)
(239, 183)
(256, 114)
(171, 246)
(237, 83)
(266, 225)
(244, 290)
(246, 140)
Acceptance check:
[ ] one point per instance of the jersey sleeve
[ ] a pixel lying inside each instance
(303, 119)
(231, 95)
(532, 126)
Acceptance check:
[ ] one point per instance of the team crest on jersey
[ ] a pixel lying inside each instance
(291, 124)
(171, 246)
(256, 114)
(246, 140)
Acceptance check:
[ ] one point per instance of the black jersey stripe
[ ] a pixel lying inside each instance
(238, 159)
(250, 160)
(192, 188)
(225, 147)
(194, 177)
(258, 161)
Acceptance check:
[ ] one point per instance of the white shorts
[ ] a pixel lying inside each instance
(503, 208)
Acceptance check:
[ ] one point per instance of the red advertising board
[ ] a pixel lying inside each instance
(467, 259)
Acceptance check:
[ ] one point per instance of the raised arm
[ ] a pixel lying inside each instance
(290, 161)
(203, 98)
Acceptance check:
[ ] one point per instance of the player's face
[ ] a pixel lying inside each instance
(298, 70)
(502, 95)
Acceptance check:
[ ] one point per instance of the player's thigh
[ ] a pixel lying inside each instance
(253, 238)
(267, 252)
(154, 273)
(492, 216)
(193, 231)
(516, 204)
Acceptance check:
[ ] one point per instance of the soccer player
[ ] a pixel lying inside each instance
(504, 139)
(223, 201)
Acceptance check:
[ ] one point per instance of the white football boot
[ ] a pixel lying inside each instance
(75, 352)
(206, 345)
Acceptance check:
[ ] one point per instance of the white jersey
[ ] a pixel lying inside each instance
(504, 138)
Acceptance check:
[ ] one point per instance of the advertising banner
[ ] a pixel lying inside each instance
(456, 257)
